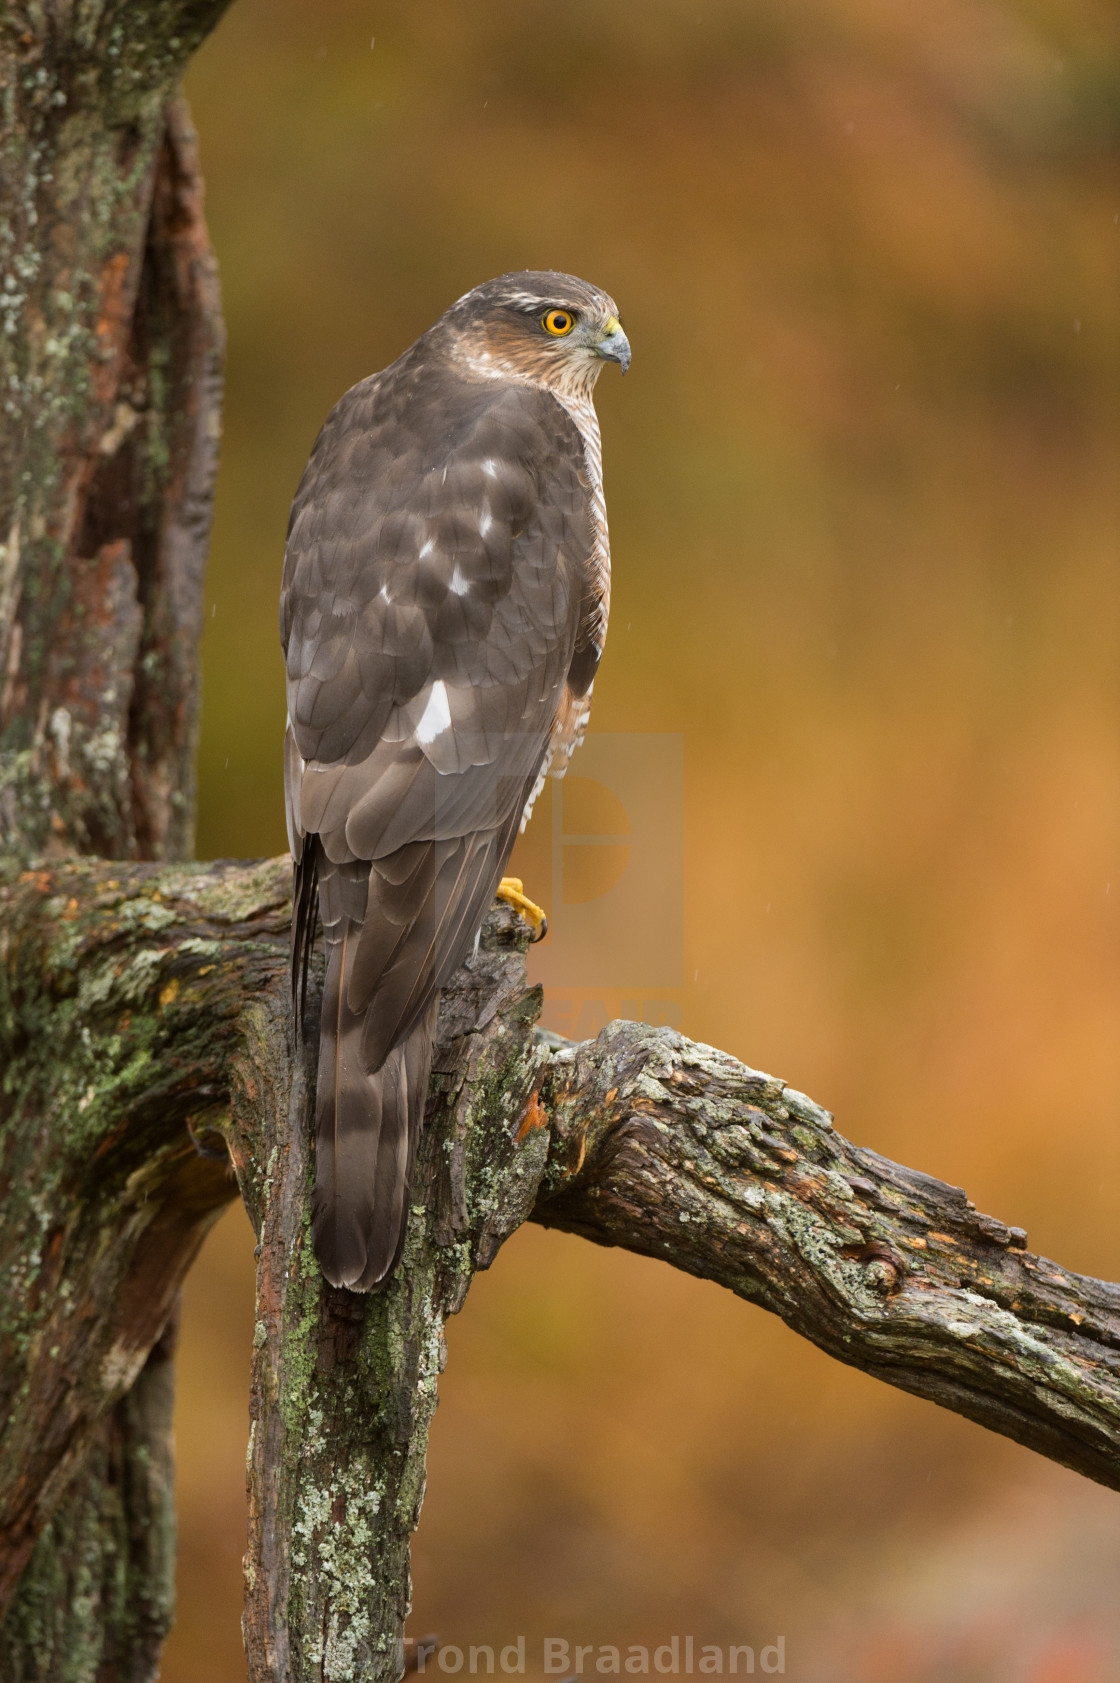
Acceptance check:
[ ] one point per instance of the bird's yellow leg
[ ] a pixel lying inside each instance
(512, 891)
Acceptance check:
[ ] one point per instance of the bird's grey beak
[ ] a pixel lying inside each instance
(614, 346)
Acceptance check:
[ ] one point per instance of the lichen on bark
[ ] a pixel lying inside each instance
(640, 1138)
(344, 1387)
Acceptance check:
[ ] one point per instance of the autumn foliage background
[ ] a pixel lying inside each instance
(864, 487)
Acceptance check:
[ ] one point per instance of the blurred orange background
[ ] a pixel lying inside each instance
(864, 485)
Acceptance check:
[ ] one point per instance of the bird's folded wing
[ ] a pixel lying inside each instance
(433, 591)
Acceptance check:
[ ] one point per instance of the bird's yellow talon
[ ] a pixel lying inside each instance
(512, 891)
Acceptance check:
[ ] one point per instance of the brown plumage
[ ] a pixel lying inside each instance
(444, 605)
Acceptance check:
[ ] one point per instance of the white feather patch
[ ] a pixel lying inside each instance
(460, 584)
(436, 717)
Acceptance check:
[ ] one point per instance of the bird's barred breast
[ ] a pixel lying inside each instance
(572, 717)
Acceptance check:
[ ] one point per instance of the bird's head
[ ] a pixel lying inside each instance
(542, 328)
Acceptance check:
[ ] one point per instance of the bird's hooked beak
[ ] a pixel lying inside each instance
(614, 346)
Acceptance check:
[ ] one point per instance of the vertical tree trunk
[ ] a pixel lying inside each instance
(344, 1386)
(110, 350)
(109, 366)
(97, 1596)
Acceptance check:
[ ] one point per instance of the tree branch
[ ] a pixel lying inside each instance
(678, 1151)
(145, 1023)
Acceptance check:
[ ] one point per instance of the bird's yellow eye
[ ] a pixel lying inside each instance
(558, 322)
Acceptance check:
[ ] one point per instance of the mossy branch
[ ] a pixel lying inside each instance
(678, 1151)
(146, 1023)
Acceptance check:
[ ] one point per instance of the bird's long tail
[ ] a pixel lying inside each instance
(367, 1127)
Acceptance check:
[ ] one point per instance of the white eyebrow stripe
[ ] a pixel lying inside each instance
(535, 301)
(436, 717)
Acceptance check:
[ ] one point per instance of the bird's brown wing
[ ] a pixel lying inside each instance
(432, 599)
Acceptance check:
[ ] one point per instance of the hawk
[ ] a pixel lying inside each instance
(444, 605)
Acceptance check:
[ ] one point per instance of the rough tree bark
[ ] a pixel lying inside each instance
(149, 1073)
(150, 1009)
(110, 345)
